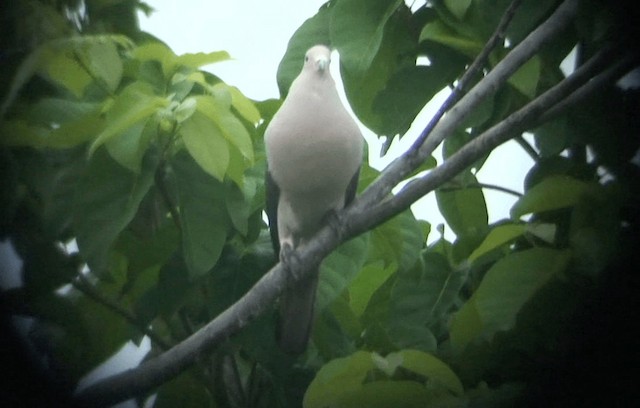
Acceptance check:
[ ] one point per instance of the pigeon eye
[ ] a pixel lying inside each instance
(306, 58)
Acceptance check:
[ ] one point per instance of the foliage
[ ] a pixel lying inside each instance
(154, 168)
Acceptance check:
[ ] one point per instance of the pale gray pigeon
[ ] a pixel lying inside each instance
(314, 151)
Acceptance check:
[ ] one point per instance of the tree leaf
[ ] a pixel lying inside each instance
(464, 208)
(200, 59)
(314, 30)
(205, 143)
(134, 104)
(458, 7)
(431, 368)
(183, 391)
(200, 199)
(338, 378)
(497, 237)
(230, 126)
(398, 241)
(526, 78)
(505, 288)
(438, 32)
(106, 200)
(339, 268)
(552, 193)
(358, 35)
(366, 282)
(102, 59)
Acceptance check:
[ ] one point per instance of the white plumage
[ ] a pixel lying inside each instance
(314, 152)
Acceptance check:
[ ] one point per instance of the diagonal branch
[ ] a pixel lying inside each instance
(365, 213)
(404, 166)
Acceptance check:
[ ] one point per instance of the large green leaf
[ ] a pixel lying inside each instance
(203, 217)
(497, 237)
(428, 366)
(314, 30)
(106, 200)
(205, 143)
(135, 103)
(184, 391)
(438, 32)
(218, 109)
(423, 294)
(338, 378)
(526, 78)
(339, 268)
(102, 60)
(362, 87)
(357, 29)
(398, 241)
(505, 288)
(464, 207)
(551, 193)
(364, 285)
(404, 96)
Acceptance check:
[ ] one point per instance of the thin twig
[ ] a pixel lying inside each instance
(497, 38)
(83, 285)
(484, 186)
(527, 148)
(526, 117)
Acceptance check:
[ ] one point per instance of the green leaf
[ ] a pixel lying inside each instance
(357, 34)
(129, 148)
(497, 237)
(553, 137)
(398, 241)
(200, 59)
(244, 106)
(314, 30)
(551, 193)
(156, 51)
(218, 110)
(362, 88)
(338, 378)
(203, 218)
(205, 143)
(382, 394)
(102, 59)
(505, 288)
(430, 367)
(59, 63)
(366, 282)
(183, 391)
(438, 32)
(134, 104)
(526, 78)
(106, 200)
(458, 7)
(339, 268)
(399, 102)
(464, 208)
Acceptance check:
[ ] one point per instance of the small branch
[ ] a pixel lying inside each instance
(83, 285)
(483, 186)
(528, 116)
(497, 38)
(527, 148)
(407, 163)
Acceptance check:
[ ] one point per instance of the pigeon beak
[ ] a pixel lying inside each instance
(323, 64)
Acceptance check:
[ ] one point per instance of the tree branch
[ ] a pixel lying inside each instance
(366, 212)
(83, 285)
(407, 163)
(528, 116)
(496, 38)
